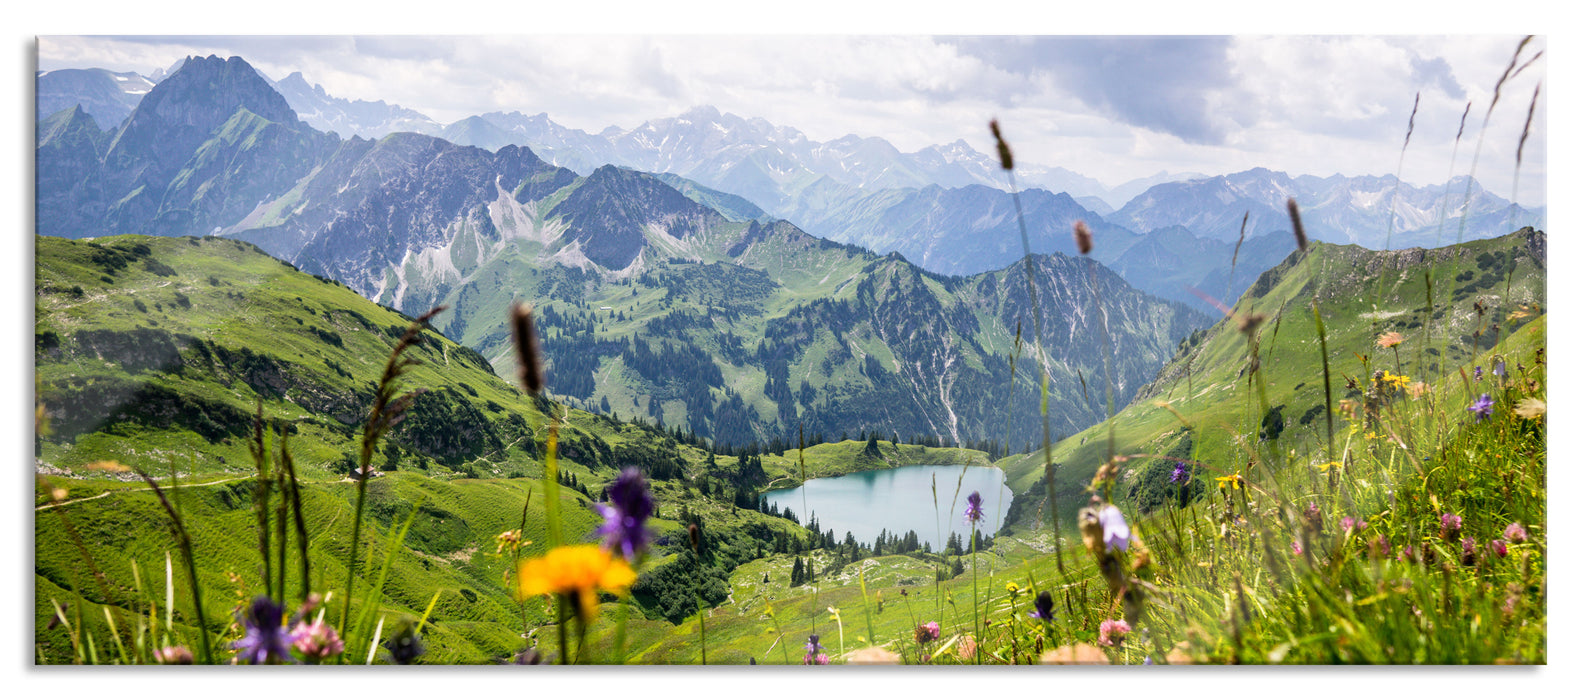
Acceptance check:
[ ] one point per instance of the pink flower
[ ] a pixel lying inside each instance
(316, 641)
(1113, 632)
(1515, 533)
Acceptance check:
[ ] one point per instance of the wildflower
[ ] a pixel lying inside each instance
(1516, 533)
(1350, 524)
(625, 516)
(999, 143)
(264, 639)
(815, 655)
(1296, 224)
(529, 657)
(1389, 340)
(173, 656)
(1325, 467)
(1391, 381)
(1181, 474)
(1248, 323)
(967, 647)
(1012, 588)
(405, 645)
(1116, 534)
(1234, 481)
(1482, 408)
(1113, 632)
(1499, 368)
(1477, 373)
(509, 538)
(1408, 554)
(575, 571)
(1449, 526)
(1469, 551)
(926, 632)
(974, 511)
(1043, 606)
(316, 641)
(1313, 517)
(1531, 408)
(1296, 547)
(1379, 548)
(1498, 548)
(1417, 390)
(1075, 654)
(530, 371)
(1083, 236)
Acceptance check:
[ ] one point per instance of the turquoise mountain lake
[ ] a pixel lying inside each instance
(897, 500)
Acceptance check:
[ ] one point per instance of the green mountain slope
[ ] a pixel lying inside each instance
(1361, 295)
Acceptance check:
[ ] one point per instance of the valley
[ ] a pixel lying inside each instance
(273, 362)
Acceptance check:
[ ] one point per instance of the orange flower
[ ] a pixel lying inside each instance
(576, 571)
(1390, 340)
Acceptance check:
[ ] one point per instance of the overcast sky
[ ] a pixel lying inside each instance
(1110, 107)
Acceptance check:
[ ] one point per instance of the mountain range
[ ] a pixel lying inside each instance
(649, 301)
(946, 206)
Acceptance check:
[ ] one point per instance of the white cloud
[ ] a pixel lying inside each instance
(1318, 105)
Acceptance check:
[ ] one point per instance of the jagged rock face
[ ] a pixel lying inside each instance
(68, 157)
(375, 203)
(187, 108)
(199, 152)
(609, 211)
(107, 97)
(1337, 209)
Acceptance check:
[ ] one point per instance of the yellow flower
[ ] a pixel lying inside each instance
(1234, 481)
(1390, 380)
(1390, 340)
(577, 571)
(1330, 465)
(1011, 587)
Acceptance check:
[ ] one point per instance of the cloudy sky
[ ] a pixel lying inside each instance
(1316, 105)
(1110, 107)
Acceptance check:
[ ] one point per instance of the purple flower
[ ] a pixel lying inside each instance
(265, 640)
(926, 632)
(1449, 526)
(1044, 606)
(1469, 551)
(1482, 408)
(1348, 524)
(1499, 368)
(1516, 533)
(814, 657)
(405, 645)
(1296, 547)
(1117, 536)
(974, 511)
(1477, 373)
(625, 515)
(1181, 474)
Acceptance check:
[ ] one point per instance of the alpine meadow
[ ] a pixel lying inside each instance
(1071, 350)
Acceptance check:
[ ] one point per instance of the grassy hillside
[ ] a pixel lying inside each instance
(156, 353)
(1362, 294)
